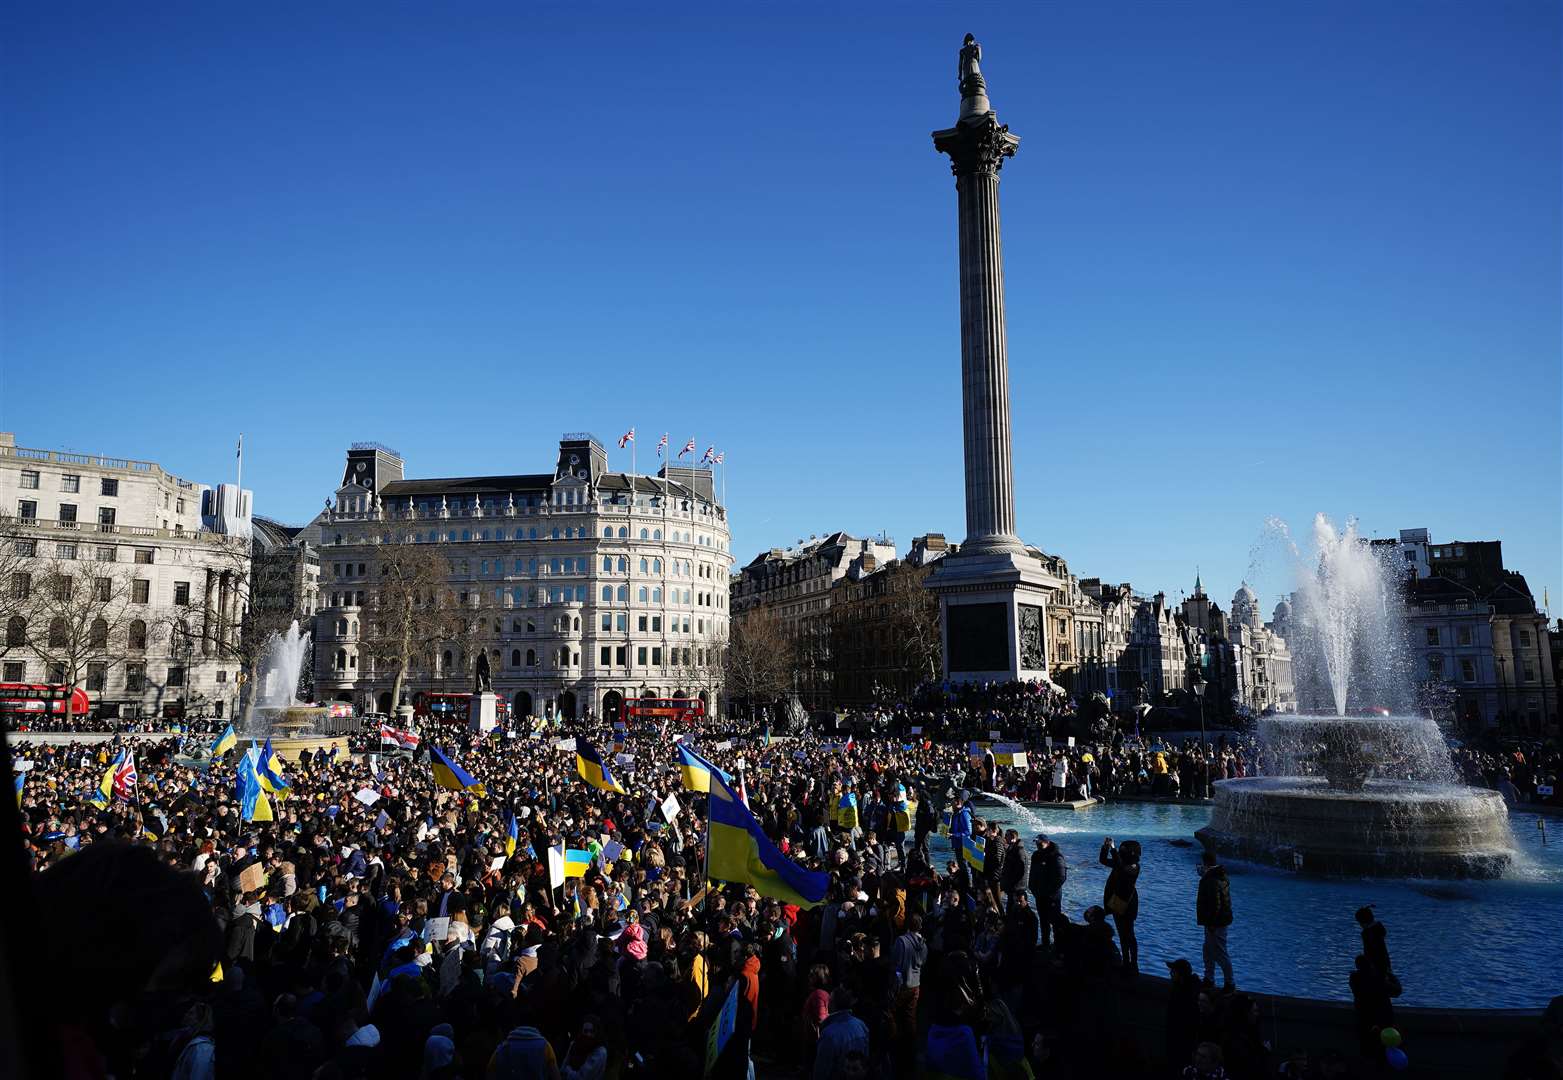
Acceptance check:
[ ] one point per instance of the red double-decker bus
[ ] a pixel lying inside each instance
(656, 710)
(21, 701)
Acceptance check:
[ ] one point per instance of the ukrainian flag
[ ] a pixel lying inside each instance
(512, 835)
(590, 767)
(225, 742)
(20, 782)
(846, 813)
(254, 804)
(105, 792)
(270, 771)
(972, 852)
(945, 820)
(697, 770)
(904, 815)
(576, 862)
(738, 850)
(449, 775)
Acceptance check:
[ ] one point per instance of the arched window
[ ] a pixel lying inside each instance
(138, 635)
(99, 638)
(16, 631)
(575, 623)
(607, 592)
(607, 564)
(515, 657)
(58, 635)
(656, 566)
(624, 564)
(641, 594)
(623, 533)
(352, 660)
(607, 532)
(656, 596)
(341, 628)
(656, 534)
(644, 534)
(531, 658)
(645, 565)
(449, 661)
(341, 659)
(623, 593)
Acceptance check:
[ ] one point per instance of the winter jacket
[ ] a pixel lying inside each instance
(839, 1035)
(1048, 872)
(1014, 871)
(1213, 905)
(960, 823)
(524, 1055)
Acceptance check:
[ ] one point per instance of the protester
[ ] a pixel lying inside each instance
(1213, 911)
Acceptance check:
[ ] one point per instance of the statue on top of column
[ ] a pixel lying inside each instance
(971, 52)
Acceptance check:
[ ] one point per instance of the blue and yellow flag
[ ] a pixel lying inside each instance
(269, 769)
(904, 814)
(105, 792)
(738, 850)
(576, 862)
(254, 803)
(972, 852)
(846, 812)
(20, 782)
(590, 766)
(697, 770)
(512, 834)
(225, 742)
(449, 775)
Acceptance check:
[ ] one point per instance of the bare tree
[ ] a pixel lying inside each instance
(76, 614)
(410, 612)
(914, 619)
(759, 663)
(16, 562)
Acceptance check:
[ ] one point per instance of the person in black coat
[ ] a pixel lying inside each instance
(1046, 881)
(1012, 876)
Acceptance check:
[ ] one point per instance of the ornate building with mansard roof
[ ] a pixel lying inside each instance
(586, 587)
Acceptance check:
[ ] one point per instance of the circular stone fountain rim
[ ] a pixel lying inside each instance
(1374, 791)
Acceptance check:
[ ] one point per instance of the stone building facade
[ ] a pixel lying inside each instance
(161, 566)
(587, 586)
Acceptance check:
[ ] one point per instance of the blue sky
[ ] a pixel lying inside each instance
(1262, 259)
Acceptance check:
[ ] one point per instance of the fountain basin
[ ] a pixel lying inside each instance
(1403, 828)
(294, 730)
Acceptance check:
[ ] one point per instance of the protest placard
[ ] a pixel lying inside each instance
(670, 808)
(368, 796)
(252, 877)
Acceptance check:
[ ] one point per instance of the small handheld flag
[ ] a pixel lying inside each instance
(225, 742)
(449, 775)
(512, 834)
(972, 853)
(696, 770)
(590, 766)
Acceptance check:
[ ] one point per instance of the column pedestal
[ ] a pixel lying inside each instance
(483, 712)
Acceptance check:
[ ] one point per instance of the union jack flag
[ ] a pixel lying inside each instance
(719, 457)
(689, 448)
(125, 779)
(709, 455)
(662, 444)
(627, 438)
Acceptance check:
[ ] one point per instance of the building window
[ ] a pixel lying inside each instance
(135, 678)
(618, 655)
(27, 548)
(97, 675)
(1524, 639)
(137, 635)
(1530, 673)
(27, 509)
(607, 621)
(103, 589)
(222, 676)
(98, 636)
(1435, 666)
(176, 675)
(1432, 635)
(531, 658)
(29, 480)
(640, 655)
(1462, 635)
(656, 655)
(1468, 670)
(71, 482)
(179, 506)
(182, 593)
(140, 591)
(65, 551)
(144, 556)
(109, 487)
(56, 673)
(15, 671)
(641, 623)
(106, 554)
(67, 513)
(15, 633)
(606, 656)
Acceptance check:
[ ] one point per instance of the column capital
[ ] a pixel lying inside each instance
(977, 145)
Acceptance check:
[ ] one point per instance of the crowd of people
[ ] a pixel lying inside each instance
(384, 925)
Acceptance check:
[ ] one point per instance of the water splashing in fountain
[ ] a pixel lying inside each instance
(279, 679)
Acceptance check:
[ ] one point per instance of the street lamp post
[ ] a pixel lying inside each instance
(1199, 695)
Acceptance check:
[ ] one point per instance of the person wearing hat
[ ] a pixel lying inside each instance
(1181, 1028)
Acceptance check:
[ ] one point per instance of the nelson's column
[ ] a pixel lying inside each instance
(992, 592)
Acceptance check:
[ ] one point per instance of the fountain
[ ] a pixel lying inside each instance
(1367, 794)
(277, 715)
